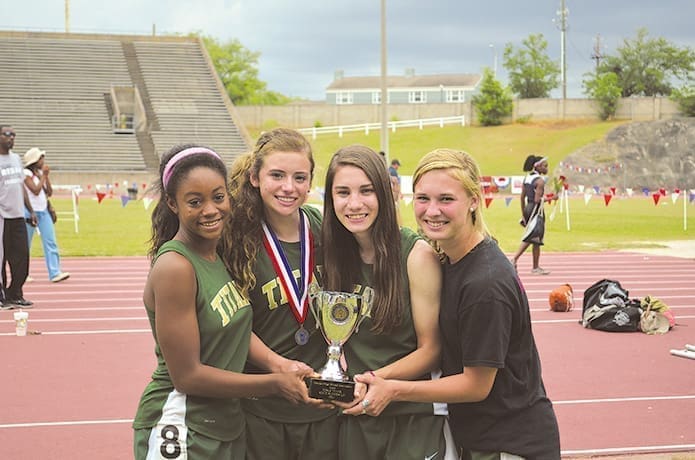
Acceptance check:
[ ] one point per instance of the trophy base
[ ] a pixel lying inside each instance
(331, 390)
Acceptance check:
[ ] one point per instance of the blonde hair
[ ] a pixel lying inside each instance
(461, 167)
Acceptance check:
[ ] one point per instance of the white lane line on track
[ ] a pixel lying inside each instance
(579, 307)
(43, 309)
(129, 331)
(631, 450)
(71, 423)
(575, 320)
(83, 320)
(101, 422)
(626, 399)
(104, 331)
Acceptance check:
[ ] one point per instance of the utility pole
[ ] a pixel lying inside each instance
(384, 89)
(562, 13)
(597, 56)
(494, 60)
(67, 16)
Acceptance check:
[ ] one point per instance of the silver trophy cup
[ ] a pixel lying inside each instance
(338, 314)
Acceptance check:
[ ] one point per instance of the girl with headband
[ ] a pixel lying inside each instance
(271, 248)
(200, 322)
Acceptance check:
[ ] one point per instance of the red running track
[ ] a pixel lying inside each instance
(71, 392)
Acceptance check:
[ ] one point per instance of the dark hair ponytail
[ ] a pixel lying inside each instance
(530, 162)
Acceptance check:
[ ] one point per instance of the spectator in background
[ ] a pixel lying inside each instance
(39, 189)
(13, 200)
(532, 199)
(393, 169)
(396, 186)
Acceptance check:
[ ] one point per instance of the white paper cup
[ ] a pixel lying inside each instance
(21, 318)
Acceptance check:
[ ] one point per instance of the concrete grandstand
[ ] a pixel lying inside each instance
(107, 105)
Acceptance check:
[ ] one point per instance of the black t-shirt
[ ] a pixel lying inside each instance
(485, 322)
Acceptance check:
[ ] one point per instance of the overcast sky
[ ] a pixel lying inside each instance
(303, 42)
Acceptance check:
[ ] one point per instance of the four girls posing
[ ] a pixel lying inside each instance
(227, 294)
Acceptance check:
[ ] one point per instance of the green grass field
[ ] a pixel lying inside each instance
(110, 229)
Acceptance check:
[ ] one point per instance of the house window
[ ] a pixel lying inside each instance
(376, 97)
(343, 98)
(455, 96)
(417, 97)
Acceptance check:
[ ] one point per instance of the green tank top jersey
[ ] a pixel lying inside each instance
(224, 321)
(366, 351)
(275, 324)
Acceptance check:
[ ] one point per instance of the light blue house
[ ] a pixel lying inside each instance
(406, 89)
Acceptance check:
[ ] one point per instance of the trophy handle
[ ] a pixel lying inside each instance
(365, 307)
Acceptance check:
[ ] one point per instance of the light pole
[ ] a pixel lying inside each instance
(384, 90)
(563, 12)
(494, 61)
(67, 16)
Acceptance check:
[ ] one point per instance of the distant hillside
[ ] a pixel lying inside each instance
(637, 155)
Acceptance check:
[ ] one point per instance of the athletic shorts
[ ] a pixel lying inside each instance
(477, 455)
(398, 437)
(267, 439)
(177, 442)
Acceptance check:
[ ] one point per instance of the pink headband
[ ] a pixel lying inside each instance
(540, 161)
(169, 168)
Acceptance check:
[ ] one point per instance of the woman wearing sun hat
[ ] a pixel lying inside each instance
(39, 189)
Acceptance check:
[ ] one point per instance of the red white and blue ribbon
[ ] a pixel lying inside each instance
(297, 295)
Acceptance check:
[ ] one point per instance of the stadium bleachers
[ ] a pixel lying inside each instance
(54, 90)
(185, 99)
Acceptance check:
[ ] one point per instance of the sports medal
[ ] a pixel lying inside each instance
(301, 336)
(297, 294)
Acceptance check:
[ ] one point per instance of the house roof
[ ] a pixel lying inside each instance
(414, 81)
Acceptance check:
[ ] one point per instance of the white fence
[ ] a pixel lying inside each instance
(393, 125)
(74, 215)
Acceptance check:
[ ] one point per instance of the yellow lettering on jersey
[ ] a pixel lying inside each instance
(268, 290)
(227, 301)
(361, 289)
(275, 293)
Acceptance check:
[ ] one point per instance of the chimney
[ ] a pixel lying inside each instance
(410, 72)
(338, 75)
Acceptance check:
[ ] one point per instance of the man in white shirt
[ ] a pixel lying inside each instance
(13, 199)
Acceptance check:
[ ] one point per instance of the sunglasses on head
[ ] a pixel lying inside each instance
(8, 133)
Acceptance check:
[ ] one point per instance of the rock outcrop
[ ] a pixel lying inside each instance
(637, 155)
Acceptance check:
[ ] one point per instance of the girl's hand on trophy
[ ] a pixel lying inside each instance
(291, 385)
(377, 398)
(360, 391)
(291, 365)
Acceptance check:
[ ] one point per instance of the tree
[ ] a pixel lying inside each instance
(649, 66)
(605, 90)
(237, 68)
(685, 98)
(494, 102)
(531, 72)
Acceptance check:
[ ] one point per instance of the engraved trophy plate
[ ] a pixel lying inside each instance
(337, 314)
